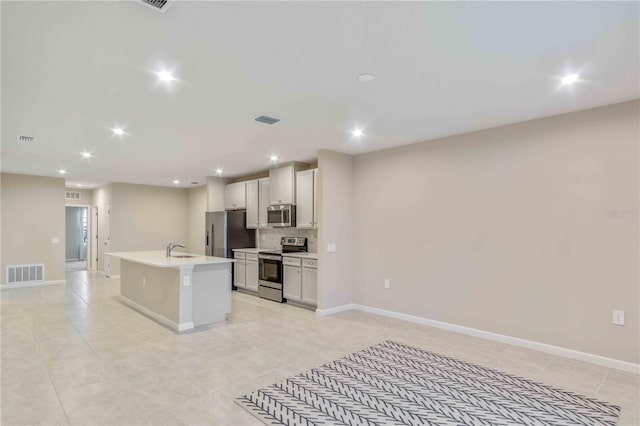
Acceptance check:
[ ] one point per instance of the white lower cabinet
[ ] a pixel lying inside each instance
(239, 273)
(292, 283)
(251, 274)
(301, 280)
(310, 286)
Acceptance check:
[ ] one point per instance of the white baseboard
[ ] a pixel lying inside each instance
(335, 310)
(31, 284)
(155, 316)
(515, 341)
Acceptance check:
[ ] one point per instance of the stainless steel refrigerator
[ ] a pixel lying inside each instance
(226, 231)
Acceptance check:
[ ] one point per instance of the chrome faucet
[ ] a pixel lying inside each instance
(171, 246)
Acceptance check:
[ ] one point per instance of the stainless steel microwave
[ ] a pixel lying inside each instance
(281, 215)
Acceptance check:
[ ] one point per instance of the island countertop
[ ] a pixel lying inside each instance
(158, 258)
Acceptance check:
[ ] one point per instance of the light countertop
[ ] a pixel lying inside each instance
(306, 255)
(250, 250)
(158, 258)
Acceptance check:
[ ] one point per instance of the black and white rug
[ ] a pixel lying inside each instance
(393, 384)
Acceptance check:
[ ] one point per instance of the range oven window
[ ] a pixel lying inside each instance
(271, 270)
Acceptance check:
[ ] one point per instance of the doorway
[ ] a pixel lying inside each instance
(77, 238)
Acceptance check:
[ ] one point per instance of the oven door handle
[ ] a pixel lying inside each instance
(267, 257)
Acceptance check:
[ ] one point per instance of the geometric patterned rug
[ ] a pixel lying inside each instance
(396, 384)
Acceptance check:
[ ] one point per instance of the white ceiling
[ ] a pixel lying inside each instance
(72, 70)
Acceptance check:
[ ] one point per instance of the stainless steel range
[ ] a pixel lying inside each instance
(270, 263)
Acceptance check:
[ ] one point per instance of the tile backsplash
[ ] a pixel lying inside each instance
(269, 238)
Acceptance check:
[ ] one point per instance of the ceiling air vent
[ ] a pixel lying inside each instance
(159, 5)
(71, 195)
(23, 138)
(266, 119)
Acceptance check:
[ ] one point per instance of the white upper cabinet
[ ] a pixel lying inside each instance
(263, 202)
(282, 183)
(235, 196)
(305, 198)
(253, 205)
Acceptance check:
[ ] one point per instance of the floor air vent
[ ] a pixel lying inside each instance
(71, 195)
(25, 273)
(159, 5)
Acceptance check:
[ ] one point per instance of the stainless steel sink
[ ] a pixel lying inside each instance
(182, 256)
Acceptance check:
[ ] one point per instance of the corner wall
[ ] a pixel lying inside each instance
(335, 225)
(529, 230)
(32, 213)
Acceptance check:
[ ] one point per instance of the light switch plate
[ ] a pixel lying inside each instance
(331, 248)
(55, 240)
(186, 281)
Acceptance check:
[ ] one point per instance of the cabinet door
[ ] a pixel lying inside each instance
(239, 273)
(252, 204)
(241, 195)
(275, 186)
(310, 286)
(315, 198)
(251, 278)
(282, 186)
(229, 196)
(292, 283)
(304, 198)
(263, 202)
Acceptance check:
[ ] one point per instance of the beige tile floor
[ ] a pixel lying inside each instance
(71, 354)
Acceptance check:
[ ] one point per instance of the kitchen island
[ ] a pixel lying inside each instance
(182, 291)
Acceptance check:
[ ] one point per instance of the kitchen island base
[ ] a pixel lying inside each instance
(180, 297)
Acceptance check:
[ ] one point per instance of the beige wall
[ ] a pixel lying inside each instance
(215, 194)
(86, 197)
(32, 210)
(196, 219)
(145, 217)
(527, 230)
(335, 225)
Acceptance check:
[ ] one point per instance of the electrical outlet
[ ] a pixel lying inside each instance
(387, 283)
(618, 317)
(186, 281)
(55, 240)
(331, 248)
(144, 282)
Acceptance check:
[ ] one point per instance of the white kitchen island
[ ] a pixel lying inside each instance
(179, 292)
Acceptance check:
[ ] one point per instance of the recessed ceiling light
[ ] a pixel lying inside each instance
(365, 78)
(274, 157)
(79, 185)
(570, 79)
(165, 76)
(62, 171)
(219, 171)
(87, 154)
(118, 131)
(176, 182)
(357, 133)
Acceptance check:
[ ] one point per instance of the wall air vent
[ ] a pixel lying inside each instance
(25, 273)
(71, 195)
(23, 138)
(159, 5)
(266, 119)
